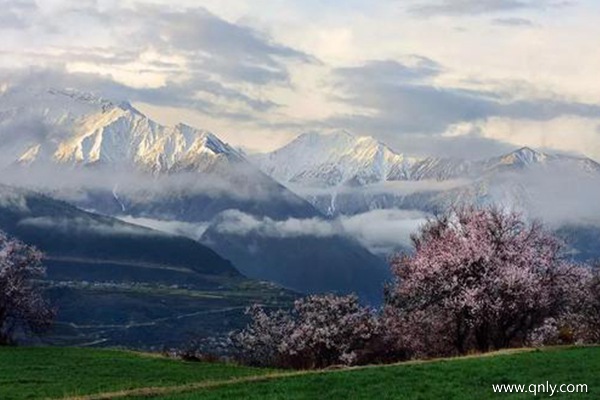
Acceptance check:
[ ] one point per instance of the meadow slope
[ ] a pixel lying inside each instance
(70, 373)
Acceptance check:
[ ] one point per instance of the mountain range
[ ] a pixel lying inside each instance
(241, 228)
(109, 158)
(343, 174)
(340, 158)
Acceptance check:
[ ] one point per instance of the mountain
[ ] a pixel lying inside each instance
(527, 158)
(340, 158)
(118, 135)
(120, 284)
(109, 158)
(325, 160)
(125, 163)
(306, 262)
(84, 129)
(342, 174)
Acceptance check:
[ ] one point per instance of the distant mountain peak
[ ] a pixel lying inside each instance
(333, 158)
(524, 156)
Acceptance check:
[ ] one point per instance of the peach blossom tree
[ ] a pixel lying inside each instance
(481, 279)
(22, 307)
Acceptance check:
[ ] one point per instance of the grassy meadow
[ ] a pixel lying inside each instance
(59, 373)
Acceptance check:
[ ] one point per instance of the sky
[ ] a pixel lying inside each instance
(464, 78)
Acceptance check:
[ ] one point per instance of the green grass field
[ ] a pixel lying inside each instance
(53, 373)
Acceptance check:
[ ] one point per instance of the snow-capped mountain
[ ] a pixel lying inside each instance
(109, 157)
(83, 129)
(340, 158)
(333, 159)
(527, 159)
(344, 174)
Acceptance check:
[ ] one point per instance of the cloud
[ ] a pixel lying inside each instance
(384, 231)
(179, 228)
(78, 224)
(211, 43)
(477, 7)
(381, 231)
(13, 198)
(399, 188)
(392, 99)
(559, 196)
(470, 146)
(573, 134)
(238, 223)
(239, 182)
(13, 13)
(414, 68)
(161, 55)
(515, 22)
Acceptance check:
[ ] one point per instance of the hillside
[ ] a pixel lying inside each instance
(120, 284)
(36, 373)
(105, 156)
(307, 264)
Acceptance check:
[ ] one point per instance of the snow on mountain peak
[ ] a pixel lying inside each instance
(333, 158)
(86, 129)
(338, 158)
(524, 156)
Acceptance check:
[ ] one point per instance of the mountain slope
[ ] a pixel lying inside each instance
(306, 262)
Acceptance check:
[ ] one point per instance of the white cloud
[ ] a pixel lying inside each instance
(381, 231)
(191, 230)
(579, 135)
(238, 223)
(247, 71)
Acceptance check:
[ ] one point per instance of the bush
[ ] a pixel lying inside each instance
(319, 331)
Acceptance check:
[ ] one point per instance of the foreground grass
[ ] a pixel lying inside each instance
(30, 373)
(466, 378)
(39, 373)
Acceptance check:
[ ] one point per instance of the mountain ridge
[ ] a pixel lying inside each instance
(333, 160)
(99, 131)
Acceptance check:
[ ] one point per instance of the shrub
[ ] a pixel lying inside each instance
(587, 311)
(319, 331)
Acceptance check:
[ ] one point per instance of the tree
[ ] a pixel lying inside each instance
(319, 331)
(22, 307)
(587, 313)
(481, 278)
